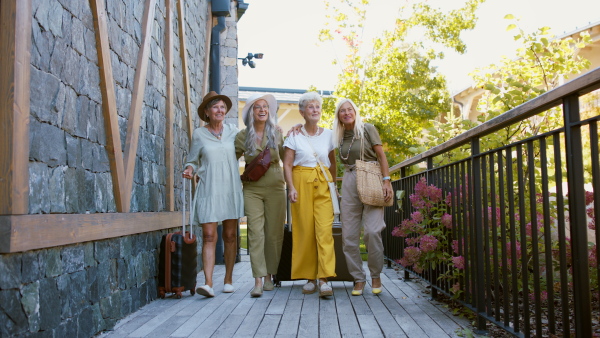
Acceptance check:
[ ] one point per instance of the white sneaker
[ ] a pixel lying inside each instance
(228, 288)
(325, 290)
(205, 291)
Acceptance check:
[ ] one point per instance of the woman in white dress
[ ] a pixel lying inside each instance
(218, 196)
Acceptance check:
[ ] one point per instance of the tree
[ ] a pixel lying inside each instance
(542, 64)
(396, 84)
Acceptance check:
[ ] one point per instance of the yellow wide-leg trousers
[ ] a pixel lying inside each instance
(313, 255)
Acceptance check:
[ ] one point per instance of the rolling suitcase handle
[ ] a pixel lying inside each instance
(183, 199)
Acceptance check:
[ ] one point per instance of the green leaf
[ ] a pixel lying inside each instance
(511, 27)
(509, 17)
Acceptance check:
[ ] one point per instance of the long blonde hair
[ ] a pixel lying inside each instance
(338, 127)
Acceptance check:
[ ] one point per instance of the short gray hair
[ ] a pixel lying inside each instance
(307, 98)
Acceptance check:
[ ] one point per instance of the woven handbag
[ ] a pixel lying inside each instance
(369, 183)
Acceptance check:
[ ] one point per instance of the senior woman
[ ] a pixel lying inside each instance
(218, 196)
(350, 133)
(313, 255)
(264, 199)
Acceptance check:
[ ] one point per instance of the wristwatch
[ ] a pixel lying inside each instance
(385, 178)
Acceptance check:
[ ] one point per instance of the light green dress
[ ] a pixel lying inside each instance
(219, 192)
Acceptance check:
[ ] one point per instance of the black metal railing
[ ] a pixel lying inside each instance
(519, 242)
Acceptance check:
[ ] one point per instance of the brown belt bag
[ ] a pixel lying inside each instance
(258, 167)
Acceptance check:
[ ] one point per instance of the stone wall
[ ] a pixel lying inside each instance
(80, 290)
(69, 168)
(77, 290)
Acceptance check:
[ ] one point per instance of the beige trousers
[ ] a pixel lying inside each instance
(354, 216)
(265, 206)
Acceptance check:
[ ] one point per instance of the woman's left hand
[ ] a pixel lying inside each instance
(294, 130)
(387, 190)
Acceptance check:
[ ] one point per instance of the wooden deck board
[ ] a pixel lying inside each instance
(403, 309)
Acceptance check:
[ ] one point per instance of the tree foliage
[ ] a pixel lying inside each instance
(396, 84)
(542, 63)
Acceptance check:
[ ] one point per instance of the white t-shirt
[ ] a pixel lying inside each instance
(322, 144)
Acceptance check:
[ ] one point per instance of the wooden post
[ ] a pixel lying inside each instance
(15, 60)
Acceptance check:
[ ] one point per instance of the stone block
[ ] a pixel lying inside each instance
(122, 273)
(85, 323)
(52, 262)
(73, 258)
(107, 272)
(111, 306)
(56, 189)
(73, 7)
(47, 144)
(42, 42)
(16, 321)
(99, 159)
(58, 56)
(106, 250)
(88, 254)
(67, 328)
(55, 18)
(45, 90)
(77, 33)
(73, 177)
(67, 29)
(97, 320)
(32, 268)
(78, 291)
(89, 193)
(10, 265)
(126, 307)
(93, 295)
(38, 188)
(30, 300)
(73, 151)
(49, 304)
(85, 111)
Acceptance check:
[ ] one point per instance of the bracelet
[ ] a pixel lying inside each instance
(385, 178)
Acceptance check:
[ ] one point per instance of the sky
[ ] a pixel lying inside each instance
(286, 32)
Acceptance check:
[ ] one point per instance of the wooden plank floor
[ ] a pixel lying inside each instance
(403, 309)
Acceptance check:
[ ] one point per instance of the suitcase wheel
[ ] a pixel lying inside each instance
(178, 296)
(192, 292)
(161, 294)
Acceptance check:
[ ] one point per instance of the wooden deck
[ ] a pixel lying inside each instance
(403, 309)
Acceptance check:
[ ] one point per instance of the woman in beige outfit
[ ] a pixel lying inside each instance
(264, 199)
(350, 134)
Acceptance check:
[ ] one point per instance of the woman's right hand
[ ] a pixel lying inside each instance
(292, 195)
(188, 172)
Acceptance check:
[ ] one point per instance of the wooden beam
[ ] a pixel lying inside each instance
(109, 107)
(184, 66)
(15, 60)
(137, 100)
(169, 145)
(29, 232)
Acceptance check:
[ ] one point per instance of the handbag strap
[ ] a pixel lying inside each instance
(317, 158)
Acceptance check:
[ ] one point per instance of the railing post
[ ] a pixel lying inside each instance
(479, 280)
(577, 216)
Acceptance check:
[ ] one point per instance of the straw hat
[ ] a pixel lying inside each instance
(271, 101)
(209, 97)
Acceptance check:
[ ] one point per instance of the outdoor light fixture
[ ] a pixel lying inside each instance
(248, 59)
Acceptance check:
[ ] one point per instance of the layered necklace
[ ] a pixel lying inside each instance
(319, 131)
(348, 152)
(217, 135)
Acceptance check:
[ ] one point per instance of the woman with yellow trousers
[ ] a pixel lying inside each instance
(264, 199)
(313, 255)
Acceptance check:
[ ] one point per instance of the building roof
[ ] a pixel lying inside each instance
(282, 95)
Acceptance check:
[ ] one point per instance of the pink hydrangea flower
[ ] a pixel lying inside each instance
(459, 262)
(428, 243)
(417, 216)
(447, 220)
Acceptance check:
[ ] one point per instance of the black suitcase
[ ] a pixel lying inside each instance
(177, 265)
(284, 270)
